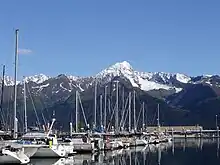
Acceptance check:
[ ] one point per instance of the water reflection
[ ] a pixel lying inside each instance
(217, 151)
(189, 151)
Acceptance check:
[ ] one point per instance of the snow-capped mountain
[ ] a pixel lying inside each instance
(212, 80)
(38, 79)
(58, 93)
(8, 81)
(146, 81)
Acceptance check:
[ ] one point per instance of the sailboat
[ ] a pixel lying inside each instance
(31, 149)
(159, 137)
(82, 141)
(43, 145)
(9, 153)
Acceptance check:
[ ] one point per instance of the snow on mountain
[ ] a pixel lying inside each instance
(73, 78)
(37, 78)
(144, 80)
(207, 75)
(40, 87)
(119, 69)
(8, 81)
(212, 80)
(182, 78)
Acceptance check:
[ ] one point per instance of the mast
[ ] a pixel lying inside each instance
(146, 118)
(25, 108)
(76, 111)
(95, 104)
(123, 100)
(71, 129)
(15, 84)
(116, 114)
(143, 115)
(105, 102)
(100, 110)
(135, 127)
(158, 115)
(2, 96)
(129, 111)
(109, 105)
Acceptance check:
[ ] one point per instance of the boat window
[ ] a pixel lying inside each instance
(52, 135)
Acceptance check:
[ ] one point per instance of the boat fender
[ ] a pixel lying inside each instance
(50, 143)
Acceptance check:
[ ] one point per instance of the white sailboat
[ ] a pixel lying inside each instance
(159, 137)
(82, 141)
(36, 145)
(10, 155)
(39, 147)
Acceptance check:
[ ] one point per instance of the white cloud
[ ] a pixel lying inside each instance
(24, 51)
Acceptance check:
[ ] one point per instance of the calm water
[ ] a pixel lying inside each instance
(181, 152)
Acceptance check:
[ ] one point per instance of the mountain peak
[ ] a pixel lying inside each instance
(117, 69)
(37, 78)
(122, 66)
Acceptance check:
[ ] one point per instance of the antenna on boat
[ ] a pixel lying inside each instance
(15, 84)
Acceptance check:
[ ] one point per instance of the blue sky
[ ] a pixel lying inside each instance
(82, 37)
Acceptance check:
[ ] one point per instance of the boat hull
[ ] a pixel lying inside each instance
(50, 152)
(9, 157)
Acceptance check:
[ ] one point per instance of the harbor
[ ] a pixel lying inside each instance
(109, 82)
(117, 127)
(151, 154)
(121, 131)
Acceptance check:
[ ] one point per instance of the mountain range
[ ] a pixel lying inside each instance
(184, 99)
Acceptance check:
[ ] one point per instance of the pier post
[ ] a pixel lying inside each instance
(200, 134)
(184, 133)
(71, 129)
(172, 133)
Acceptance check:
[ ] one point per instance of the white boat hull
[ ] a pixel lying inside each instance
(30, 150)
(84, 147)
(141, 142)
(9, 157)
(69, 149)
(53, 152)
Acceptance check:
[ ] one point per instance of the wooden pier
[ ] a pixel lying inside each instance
(188, 131)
